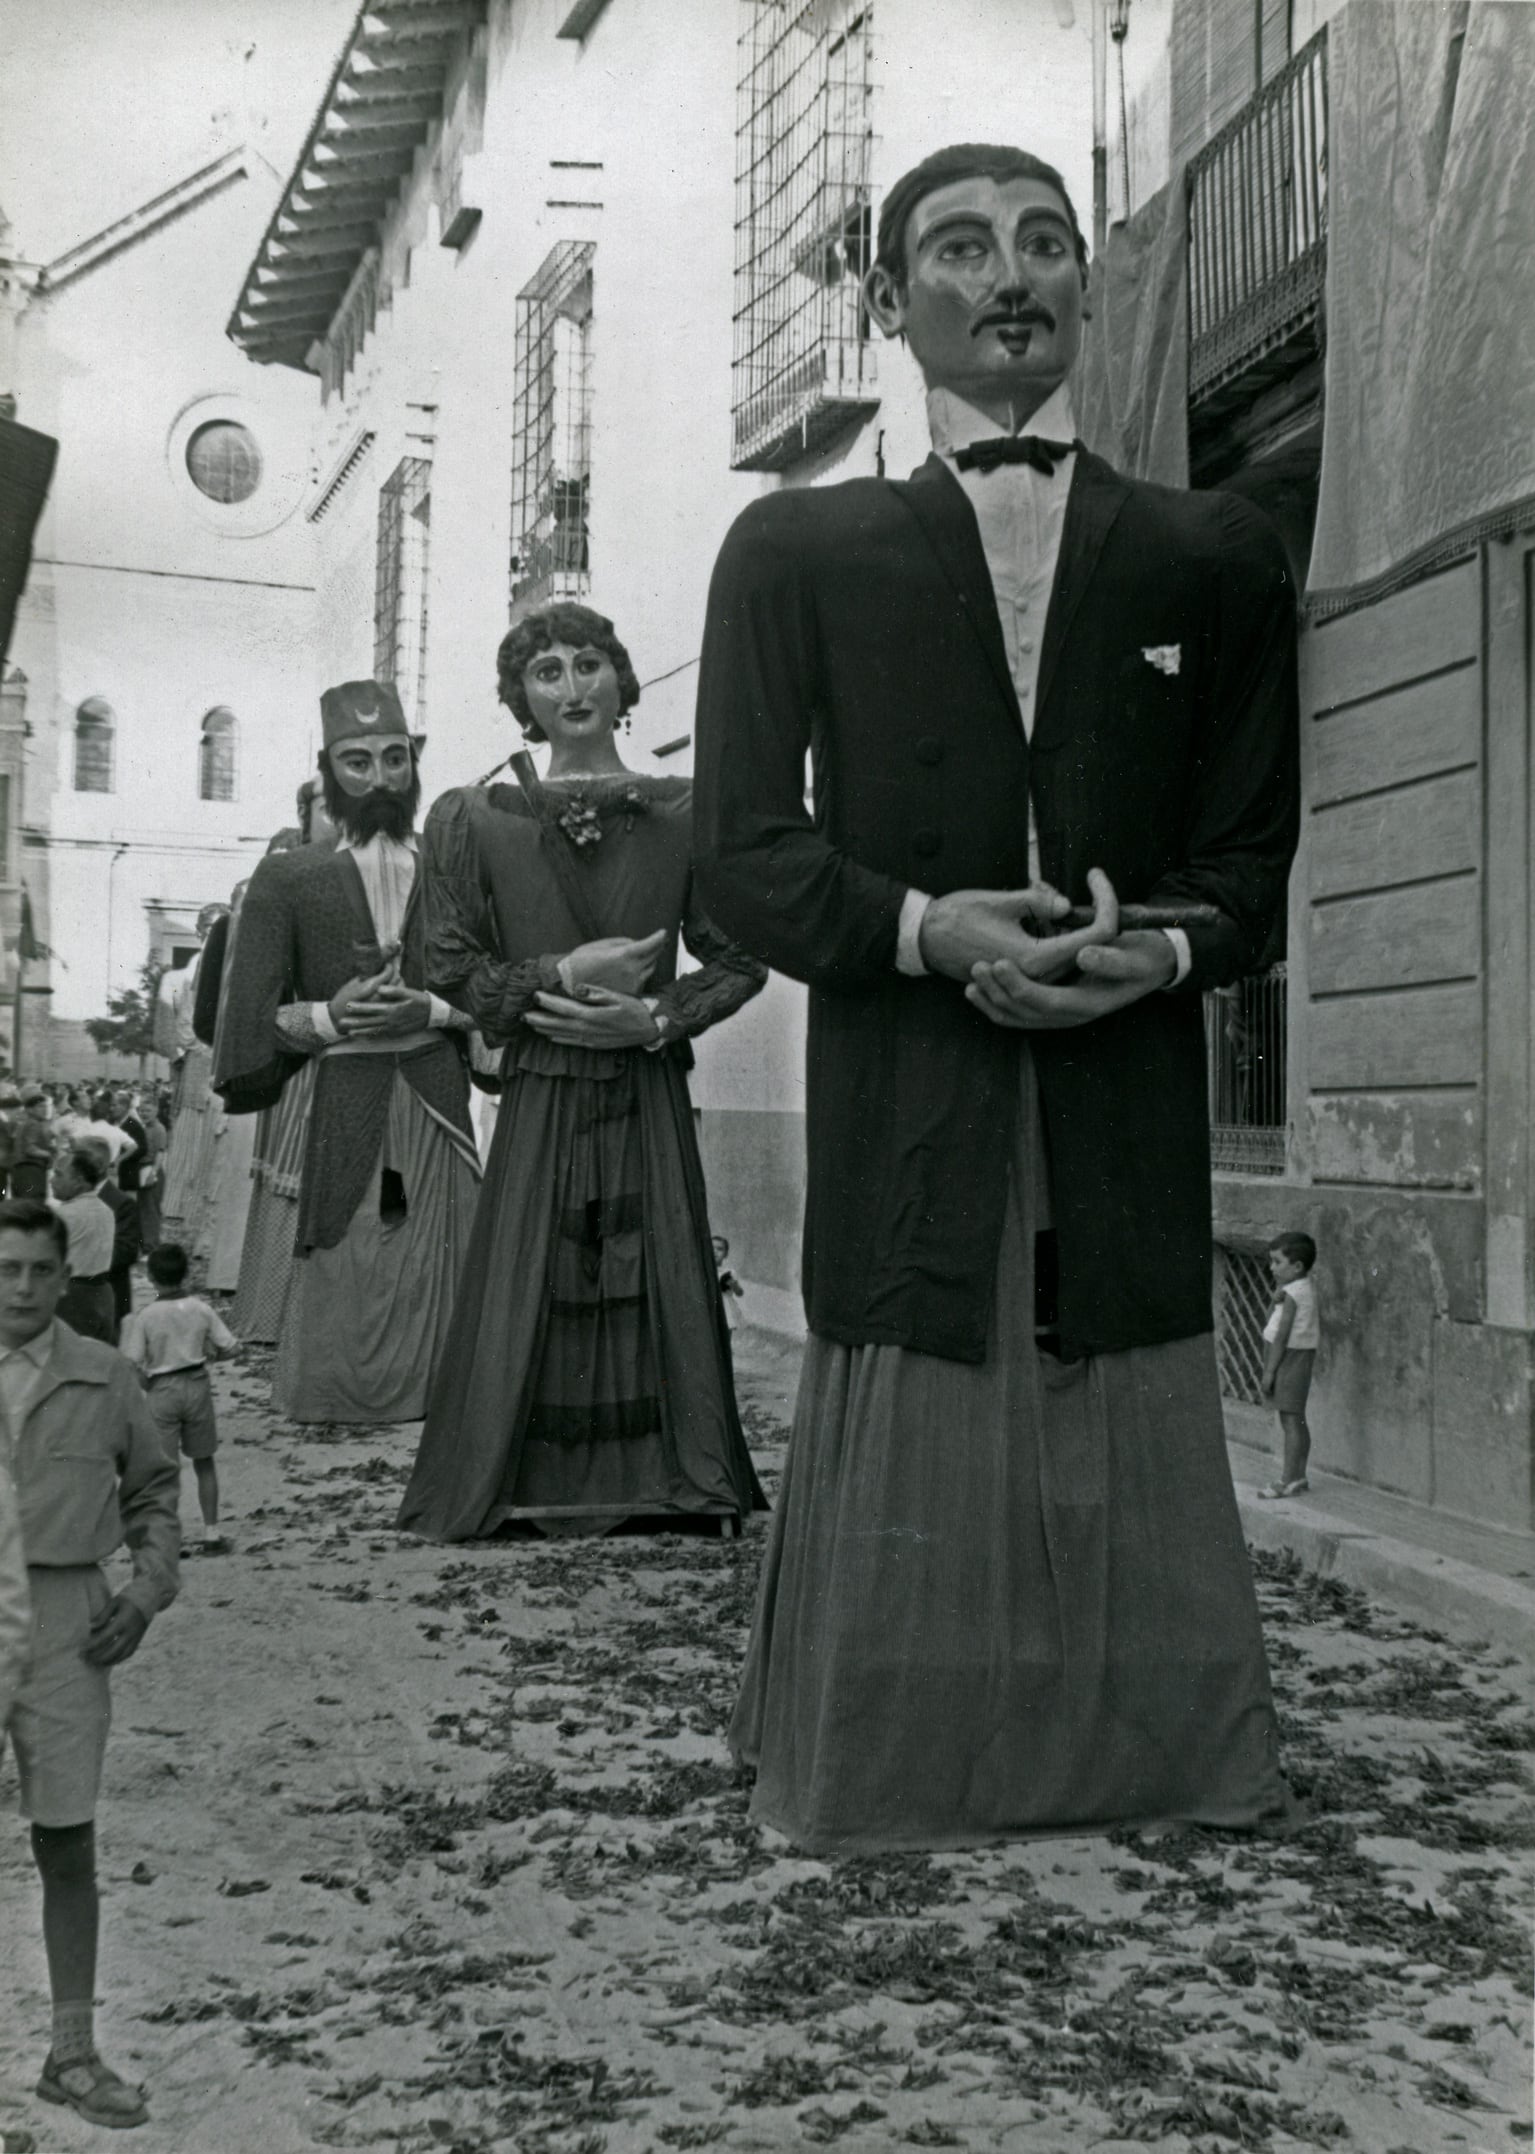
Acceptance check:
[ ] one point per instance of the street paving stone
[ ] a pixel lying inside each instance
(423, 1848)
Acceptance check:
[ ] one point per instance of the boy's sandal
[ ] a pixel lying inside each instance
(1276, 1489)
(94, 2091)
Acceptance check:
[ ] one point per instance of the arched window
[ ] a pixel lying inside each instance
(216, 755)
(95, 733)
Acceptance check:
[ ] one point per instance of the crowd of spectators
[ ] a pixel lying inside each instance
(86, 1149)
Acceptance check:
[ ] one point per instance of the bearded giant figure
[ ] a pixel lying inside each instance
(325, 978)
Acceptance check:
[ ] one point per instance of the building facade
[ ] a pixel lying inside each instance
(1374, 1086)
(159, 710)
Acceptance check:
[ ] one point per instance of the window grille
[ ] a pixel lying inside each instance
(804, 365)
(1245, 1066)
(400, 590)
(552, 428)
(1244, 1294)
(216, 755)
(95, 738)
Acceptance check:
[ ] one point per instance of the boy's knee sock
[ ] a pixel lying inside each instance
(74, 2030)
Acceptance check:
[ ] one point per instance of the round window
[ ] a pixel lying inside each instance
(223, 461)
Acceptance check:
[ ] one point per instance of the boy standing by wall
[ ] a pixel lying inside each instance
(1291, 1337)
(169, 1343)
(91, 1473)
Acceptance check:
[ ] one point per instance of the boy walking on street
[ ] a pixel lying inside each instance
(1291, 1337)
(91, 1473)
(169, 1343)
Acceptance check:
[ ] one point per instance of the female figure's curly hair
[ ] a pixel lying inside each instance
(540, 630)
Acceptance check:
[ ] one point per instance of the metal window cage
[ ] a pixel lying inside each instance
(1245, 1049)
(1243, 1297)
(400, 588)
(552, 428)
(804, 366)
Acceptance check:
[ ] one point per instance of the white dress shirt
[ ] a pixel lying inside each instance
(388, 870)
(21, 1371)
(1021, 514)
(91, 1226)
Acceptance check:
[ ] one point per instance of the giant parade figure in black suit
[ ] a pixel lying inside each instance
(1006, 1587)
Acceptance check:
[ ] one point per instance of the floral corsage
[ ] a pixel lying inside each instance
(581, 820)
(578, 819)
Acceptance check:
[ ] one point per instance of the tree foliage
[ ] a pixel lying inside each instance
(129, 1026)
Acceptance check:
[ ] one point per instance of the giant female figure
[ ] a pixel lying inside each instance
(586, 1378)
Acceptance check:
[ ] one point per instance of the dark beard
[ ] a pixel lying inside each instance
(363, 816)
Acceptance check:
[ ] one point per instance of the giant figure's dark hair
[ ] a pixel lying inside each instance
(540, 630)
(961, 160)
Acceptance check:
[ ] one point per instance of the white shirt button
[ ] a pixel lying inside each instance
(1027, 644)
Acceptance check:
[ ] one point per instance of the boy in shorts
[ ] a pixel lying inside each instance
(169, 1343)
(1291, 1337)
(90, 1474)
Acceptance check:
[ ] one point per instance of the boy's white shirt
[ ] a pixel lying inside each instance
(1305, 1332)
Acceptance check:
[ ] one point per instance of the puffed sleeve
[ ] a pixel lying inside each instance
(726, 977)
(463, 964)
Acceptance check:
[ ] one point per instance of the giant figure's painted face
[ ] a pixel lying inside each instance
(362, 765)
(573, 695)
(992, 299)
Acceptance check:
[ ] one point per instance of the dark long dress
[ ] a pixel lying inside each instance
(586, 1376)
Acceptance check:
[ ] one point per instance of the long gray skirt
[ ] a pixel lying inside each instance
(1008, 1597)
(366, 1320)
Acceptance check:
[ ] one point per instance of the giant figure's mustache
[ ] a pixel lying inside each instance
(1022, 316)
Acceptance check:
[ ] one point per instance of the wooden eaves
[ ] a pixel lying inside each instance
(380, 105)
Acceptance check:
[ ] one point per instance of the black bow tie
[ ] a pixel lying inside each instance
(1013, 449)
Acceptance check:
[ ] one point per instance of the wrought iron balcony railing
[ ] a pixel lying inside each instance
(1258, 224)
(1245, 1067)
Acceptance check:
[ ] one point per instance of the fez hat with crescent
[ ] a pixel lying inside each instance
(355, 708)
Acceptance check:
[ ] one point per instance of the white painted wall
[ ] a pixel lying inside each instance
(148, 595)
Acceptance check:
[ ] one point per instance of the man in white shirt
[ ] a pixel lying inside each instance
(88, 1305)
(1006, 1586)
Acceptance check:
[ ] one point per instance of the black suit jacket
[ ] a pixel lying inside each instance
(130, 1167)
(305, 929)
(857, 622)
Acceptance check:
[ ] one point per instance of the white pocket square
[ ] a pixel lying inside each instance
(1166, 657)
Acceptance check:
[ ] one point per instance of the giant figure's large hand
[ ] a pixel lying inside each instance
(599, 1019)
(617, 962)
(1112, 971)
(389, 1009)
(350, 1004)
(982, 927)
